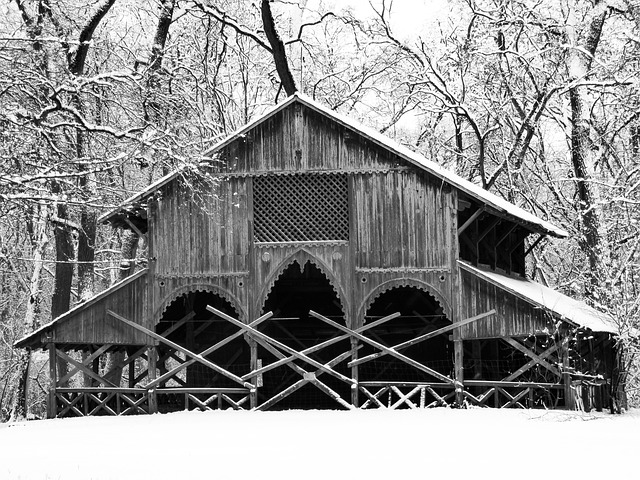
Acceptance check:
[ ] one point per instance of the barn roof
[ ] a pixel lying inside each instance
(33, 339)
(563, 307)
(488, 199)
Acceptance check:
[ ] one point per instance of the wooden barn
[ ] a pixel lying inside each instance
(314, 263)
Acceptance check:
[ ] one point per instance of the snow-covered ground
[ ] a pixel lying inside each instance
(411, 444)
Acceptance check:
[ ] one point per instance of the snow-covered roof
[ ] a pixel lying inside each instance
(27, 340)
(487, 198)
(566, 308)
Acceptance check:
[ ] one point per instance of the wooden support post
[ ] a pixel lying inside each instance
(458, 359)
(52, 409)
(569, 399)
(96, 370)
(152, 356)
(253, 394)
(132, 369)
(354, 372)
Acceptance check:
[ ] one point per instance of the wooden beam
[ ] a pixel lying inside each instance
(506, 235)
(424, 337)
(541, 361)
(208, 351)
(486, 231)
(303, 381)
(471, 219)
(384, 348)
(133, 227)
(152, 358)
(178, 324)
(320, 346)
(175, 346)
(285, 348)
(52, 409)
(84, 369)
(533, 245)
(88, 360)
(531, 363)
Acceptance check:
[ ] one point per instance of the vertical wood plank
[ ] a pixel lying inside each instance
(52, 409)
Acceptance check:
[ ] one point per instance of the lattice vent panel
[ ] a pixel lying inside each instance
(300, 208)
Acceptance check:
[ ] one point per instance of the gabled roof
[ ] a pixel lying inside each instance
(563, 307)
(499, 205)
(33, 338)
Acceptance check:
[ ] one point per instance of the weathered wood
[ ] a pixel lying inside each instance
(320, 346)
(303, 381)
(471, 219)
(85, 362)
(52, 408)
(259, 335)
(208, 351)
(422, 338)
(388, 350)
(83, 368)
(540, 361)
(175, 346)
(152, 357)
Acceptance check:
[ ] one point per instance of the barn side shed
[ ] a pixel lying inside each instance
(314, 263)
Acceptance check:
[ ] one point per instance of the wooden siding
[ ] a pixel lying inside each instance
(298, 139)
(514, 317)
(200, 234)
(92, 325)
(403, 220)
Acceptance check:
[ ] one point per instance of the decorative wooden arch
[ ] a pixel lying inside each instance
(388, 285)
(199, 287)
(302, 256)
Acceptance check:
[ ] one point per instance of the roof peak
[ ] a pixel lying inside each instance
(487, 198)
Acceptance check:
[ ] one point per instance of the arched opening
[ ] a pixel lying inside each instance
(420, 313)
(298, 290)
(187, 322)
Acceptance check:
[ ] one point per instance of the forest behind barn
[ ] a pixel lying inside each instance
(538, 102)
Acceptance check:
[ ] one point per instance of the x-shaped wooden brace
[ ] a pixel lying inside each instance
(393, 350)
(208, 351)
(405, 398)
(204, 405)
(513, 400)
(83, 367)
(318, 347)
(70, 405)
(134, 404)
(102, 404)
(535, 359)
(308, 378)
(275, 348)
(194, 356)
(383, 348)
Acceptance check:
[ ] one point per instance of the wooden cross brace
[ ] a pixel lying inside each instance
(261, 338)
(208, 351)
(535, 359)
(70, 405)
(421, 338)
(272, 345)
(198, 358)
(318, 347)
(83, 367)
(387, 350)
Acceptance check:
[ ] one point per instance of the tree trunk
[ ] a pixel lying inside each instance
(278, 50)
(583, 154)
(39, 240)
